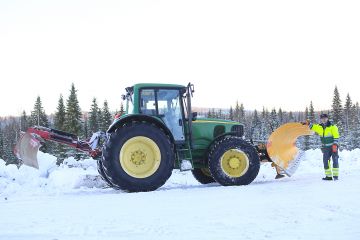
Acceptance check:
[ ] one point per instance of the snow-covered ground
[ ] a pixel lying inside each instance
(71, 202)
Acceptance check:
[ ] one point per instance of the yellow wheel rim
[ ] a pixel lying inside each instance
(206, 171)
(140, 157)
(234, 163)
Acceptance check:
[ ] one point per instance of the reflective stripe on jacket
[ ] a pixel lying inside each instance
(329, 134)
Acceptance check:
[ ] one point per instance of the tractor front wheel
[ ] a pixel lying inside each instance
(233, 161)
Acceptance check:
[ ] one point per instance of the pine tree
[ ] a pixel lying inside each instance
(86, 127)
(219, 113)
(94, 118)
(242, 114)
(106, 117)
(306, 139)
(281, 116)
(255, 126)
(348, 119)
(209, 114)
(274, 121)
(237, 112)
(347, 113)
(24, 124)
(313, 142)
(10, 136)
(1, 142)
(355, 133)
(73, 113)
(38, 115)
(122, 111)
(264, 127)
(60, 115)
(337, 113)
(291, 117)
(231, 114)
(213, 113)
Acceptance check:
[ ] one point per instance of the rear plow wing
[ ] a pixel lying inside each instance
(28, 145)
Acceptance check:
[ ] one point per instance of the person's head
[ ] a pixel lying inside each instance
(324, 118)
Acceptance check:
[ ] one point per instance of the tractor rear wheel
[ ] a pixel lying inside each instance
(202, 175)
(138, 157)
(233, 161)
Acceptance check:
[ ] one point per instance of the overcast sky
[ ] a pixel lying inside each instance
(262, 53)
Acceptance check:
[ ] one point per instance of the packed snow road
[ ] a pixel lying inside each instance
(71, 202)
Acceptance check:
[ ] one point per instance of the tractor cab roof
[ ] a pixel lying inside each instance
(138, 86)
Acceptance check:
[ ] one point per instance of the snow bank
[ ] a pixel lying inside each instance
(73, 175)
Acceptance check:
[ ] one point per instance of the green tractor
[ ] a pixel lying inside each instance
(159, 132)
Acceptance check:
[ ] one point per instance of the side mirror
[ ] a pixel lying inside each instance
(194, 116)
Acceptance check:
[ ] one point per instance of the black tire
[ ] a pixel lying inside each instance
(102, 174)
(201, 176)
(236, 143)
(114, 170)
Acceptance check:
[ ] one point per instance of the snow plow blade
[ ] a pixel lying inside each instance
(26, 150)
(281, 146)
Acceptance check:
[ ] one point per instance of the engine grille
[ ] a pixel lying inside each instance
(239, 129)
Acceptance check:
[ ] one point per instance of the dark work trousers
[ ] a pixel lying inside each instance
(327, 154)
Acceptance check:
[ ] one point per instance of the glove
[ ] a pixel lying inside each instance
(334, 148)
(307, 122)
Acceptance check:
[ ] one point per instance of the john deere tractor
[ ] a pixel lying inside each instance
(159, 133)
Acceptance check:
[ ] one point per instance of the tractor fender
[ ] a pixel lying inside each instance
(140, 118)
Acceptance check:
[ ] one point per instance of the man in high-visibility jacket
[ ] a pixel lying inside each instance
(329, 136)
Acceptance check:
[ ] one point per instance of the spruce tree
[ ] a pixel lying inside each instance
(122, 111)
(314, 142)
(281, 116)
(10, 136)
(291, 117)
(355, 133)
(274, 121)
(86, 127)
(24, 124)
(231, 114)
(1, 142)
(264, 129)
(337, 112)
(306, 139)
(38, 115)
(213, 113)
(347, 113)
(242, 114)
(209, 114)
(73, 113)
(106, 117)
(237, 112)
(348, 119)
(255, 126)
(60, 115)
(94, 119)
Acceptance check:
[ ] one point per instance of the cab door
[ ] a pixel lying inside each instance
(165, 104)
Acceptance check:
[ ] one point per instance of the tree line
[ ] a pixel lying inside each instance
(258, 124)
(68, 117)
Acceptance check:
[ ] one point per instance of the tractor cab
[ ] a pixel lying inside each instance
(169, 103)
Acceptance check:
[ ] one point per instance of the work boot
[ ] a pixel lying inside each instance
(336, 178)
(278, 176)
(327, 178)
